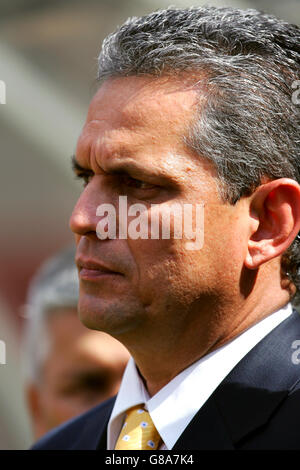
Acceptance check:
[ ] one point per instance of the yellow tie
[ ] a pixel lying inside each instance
(138, 432)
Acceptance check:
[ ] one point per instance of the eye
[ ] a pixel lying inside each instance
(137, 184)
(87, 384)
(85, 177)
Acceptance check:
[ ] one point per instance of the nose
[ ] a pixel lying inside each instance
(83, 219)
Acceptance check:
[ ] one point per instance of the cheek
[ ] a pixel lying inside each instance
(168, 272)
(54, 409)
(225, 246)
(60, 408)
(166, 268)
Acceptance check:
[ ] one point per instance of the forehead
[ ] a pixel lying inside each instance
(70, 337)
(128, 95)
(133, 113)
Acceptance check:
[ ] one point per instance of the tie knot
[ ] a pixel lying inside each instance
(138, 431)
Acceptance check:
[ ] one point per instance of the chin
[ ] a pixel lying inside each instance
(112, 317)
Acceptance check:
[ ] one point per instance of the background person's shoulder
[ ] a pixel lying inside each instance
(80, 433)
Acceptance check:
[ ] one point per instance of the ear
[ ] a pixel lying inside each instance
(275, 211)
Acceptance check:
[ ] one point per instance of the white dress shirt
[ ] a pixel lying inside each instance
(175, 405)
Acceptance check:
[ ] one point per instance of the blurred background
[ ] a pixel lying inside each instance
(48, 51)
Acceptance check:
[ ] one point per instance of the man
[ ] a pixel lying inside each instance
(67, 368)
(194, 108)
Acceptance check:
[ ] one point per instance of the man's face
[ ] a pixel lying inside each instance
(132, 145)
(82, 369)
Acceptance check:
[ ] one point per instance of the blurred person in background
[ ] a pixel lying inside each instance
(68, 368)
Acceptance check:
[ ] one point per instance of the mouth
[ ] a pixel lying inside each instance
(90, 270)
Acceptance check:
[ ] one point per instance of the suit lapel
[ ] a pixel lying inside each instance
(249, 394)
(206, 431)
(260, 382)
(93, 434)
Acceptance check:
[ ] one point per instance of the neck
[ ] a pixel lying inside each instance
(165, 351)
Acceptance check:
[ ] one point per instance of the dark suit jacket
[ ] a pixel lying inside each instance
(257, 406)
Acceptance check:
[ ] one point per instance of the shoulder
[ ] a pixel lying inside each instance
(82, 431)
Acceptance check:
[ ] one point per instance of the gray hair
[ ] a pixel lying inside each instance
(54, 286)
(247, 61)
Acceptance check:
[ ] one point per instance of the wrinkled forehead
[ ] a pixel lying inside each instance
(132, 115)
(139, 101)
(135, 113)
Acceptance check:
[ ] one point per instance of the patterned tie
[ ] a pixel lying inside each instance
(138, 432)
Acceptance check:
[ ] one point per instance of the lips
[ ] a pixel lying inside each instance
(91, 270)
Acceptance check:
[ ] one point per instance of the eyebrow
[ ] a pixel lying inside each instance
(120, 168)
(125, 168)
